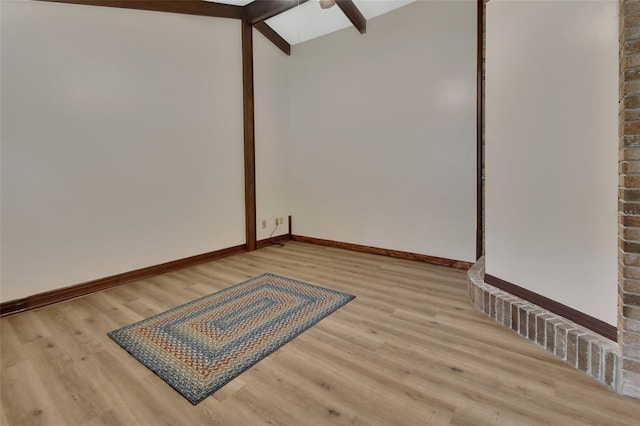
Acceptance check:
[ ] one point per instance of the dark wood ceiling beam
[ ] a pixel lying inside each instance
(273, 37)
(261, 10)
(353, 13)
(187, 7)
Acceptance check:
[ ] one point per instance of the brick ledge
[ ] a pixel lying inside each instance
(591, 353)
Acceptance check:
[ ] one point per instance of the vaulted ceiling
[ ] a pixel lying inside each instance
(308, 20)
(283, 22)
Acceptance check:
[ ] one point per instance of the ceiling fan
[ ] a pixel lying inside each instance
(326, 4)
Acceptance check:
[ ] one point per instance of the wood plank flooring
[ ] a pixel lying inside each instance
(409, 350)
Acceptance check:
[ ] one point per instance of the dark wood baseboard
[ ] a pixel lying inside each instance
(587, 321)
(459, 264)
(66, 293)
(59, 295)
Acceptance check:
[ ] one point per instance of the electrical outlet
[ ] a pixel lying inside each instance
(264, 224)
(281, 221)
(276, 221)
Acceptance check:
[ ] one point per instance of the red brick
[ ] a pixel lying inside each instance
(631, 87)
(561, 340)
(631, 351)
(631, 365)
(632, 101)
(499, 308)
(595, 360)
(610, 369)
(631, 271)
(631, 74)
(629, 154)
(631, 8)
(627, 34)
(629, 195)
(630, 141)
(629, 259)
(631, 20)
(631, 115)
(515, 312)
(629, 220)
(629, 233)
(541, 328)
(630, 167)
(629, 181)
(531, 324)
(492, 306)
(630, 247)
(632, 127)
(631, 312)
(629, 285)
(572, 346)
(629, 324)
(550, 331)
(630, 61)
(630, 337)
(631, 384)
(629, 208)
(632, 299)
(583, 351)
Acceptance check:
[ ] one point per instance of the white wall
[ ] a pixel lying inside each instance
(121, 141)
(383, 132)
(551, 151)
(271, 93)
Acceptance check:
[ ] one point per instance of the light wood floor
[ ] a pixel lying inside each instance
(409, 350)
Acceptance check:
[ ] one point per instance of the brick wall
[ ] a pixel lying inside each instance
(583, 349)
(629, 197)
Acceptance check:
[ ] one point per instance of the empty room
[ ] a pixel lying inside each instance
(319, 212)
